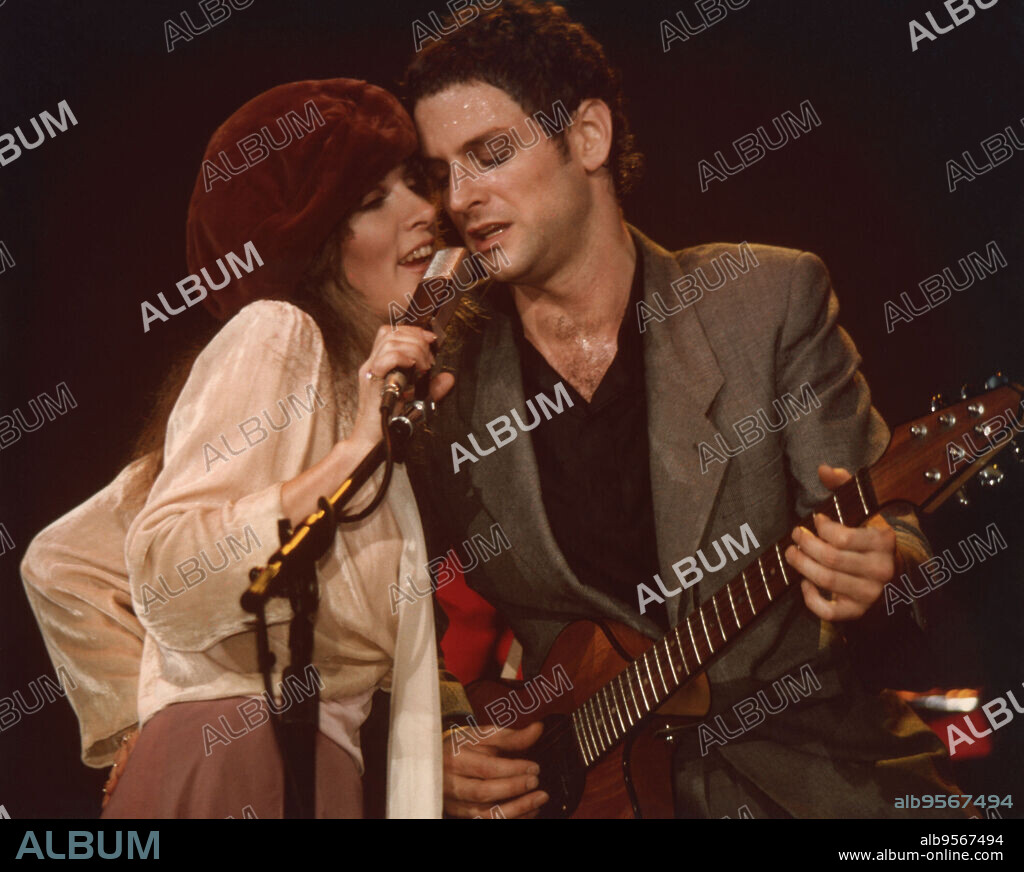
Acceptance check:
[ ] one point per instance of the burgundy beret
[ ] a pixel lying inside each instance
(282, 172)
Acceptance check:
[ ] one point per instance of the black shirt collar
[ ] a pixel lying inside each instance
(624, 372)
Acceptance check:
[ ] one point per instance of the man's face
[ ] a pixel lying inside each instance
(532, 203)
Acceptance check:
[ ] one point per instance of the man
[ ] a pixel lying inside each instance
(624, 477)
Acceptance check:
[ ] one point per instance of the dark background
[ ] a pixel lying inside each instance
(95, 217)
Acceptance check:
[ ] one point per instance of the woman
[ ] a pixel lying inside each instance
(276, 411)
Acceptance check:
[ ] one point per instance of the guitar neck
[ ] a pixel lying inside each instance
(696, 642)
(926, 461)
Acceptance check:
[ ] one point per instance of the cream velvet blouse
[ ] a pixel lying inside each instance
(260, 406)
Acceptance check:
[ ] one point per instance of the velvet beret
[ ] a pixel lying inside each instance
(282, 172)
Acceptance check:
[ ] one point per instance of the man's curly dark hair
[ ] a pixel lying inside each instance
(538, 55)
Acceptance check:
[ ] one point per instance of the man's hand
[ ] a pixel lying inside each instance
(853, 563)
(477, 778)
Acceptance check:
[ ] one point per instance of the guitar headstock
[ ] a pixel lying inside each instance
(930, 457)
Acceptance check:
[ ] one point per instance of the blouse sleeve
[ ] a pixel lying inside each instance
(258, 408)
(77, 585)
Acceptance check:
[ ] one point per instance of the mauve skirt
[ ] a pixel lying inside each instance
(170, 775)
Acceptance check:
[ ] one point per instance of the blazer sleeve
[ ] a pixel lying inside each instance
(77, 586)
(842, 428)
(257, 409)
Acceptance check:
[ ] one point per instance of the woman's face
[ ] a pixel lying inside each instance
(390, 241)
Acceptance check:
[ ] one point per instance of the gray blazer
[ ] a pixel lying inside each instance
(764, 331)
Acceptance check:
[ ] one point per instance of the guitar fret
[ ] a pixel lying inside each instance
(860, 493)
(735, 614)
(595, 749)
(619, 709)
(636, 705)
(606, 722)
(588, 722)
(602, 733)
(609, 691)
(682, 651)
(782, 565)
(584, 750)
(764, 578)
(640, 683)
(605, 717)
(647, 666)
(721, 626)
(839, 511)
(606, 690)
(668, 655)
(707, 635)
(599, 723)
(750, 599)
(657, 662)
(693, 641)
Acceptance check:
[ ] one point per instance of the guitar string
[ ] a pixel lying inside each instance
(835, 508)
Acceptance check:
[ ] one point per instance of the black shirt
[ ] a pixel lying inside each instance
(594, 467)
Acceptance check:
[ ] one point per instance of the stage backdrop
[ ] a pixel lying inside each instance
(898, 165)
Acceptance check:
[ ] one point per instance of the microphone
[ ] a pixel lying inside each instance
(431, 307)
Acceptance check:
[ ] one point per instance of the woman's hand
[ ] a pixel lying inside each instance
(397, 348)
(124, 749)
(402, 347)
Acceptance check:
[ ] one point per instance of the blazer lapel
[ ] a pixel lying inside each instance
(682, 378)
(508, 482)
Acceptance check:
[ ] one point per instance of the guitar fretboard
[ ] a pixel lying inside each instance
(607, 716)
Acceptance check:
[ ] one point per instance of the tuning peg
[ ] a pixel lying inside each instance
(938, 402)
(995, 381)
(991, 475)
(961, 498)
(967, 391)
(1017, 451)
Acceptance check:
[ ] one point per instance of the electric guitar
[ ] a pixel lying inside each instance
(606, 748)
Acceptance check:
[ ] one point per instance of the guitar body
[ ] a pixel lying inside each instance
(634, 778)
(609, 697)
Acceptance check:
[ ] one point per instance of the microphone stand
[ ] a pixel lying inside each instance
(291, 570)
(291, 573)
